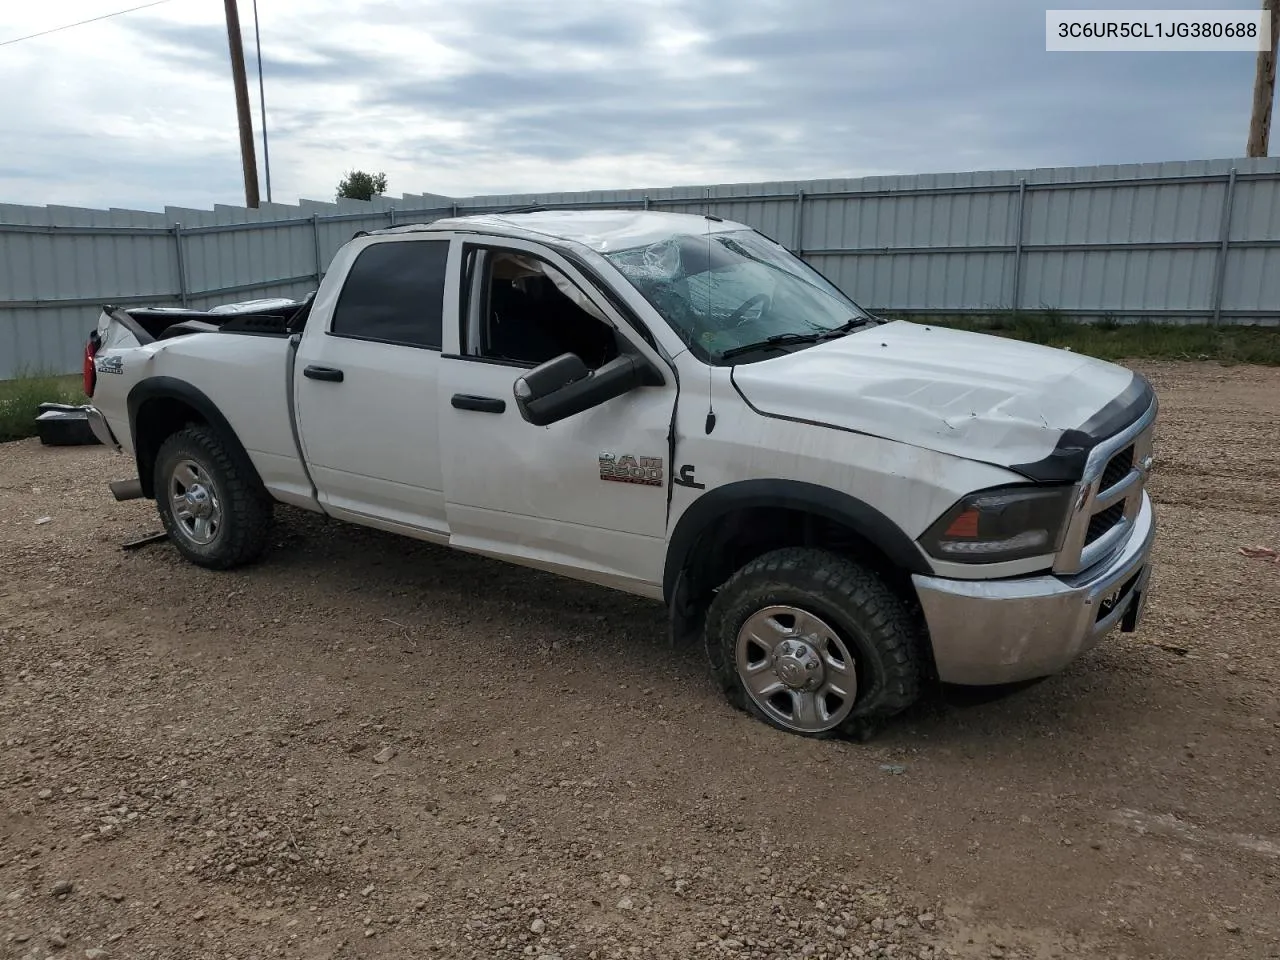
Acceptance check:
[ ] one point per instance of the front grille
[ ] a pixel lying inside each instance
(1088, 537)
(1103, 521)
(1117, 468)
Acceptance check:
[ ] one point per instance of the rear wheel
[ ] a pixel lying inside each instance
(212, 507)
(813, 643)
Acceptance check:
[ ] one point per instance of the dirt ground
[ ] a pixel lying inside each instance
(369, 747)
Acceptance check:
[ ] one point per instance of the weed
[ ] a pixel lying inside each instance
(20, 401)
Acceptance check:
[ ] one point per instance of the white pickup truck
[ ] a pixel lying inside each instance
(672, 405)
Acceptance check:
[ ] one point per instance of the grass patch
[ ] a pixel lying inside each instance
(20, 401)
(1109, 340)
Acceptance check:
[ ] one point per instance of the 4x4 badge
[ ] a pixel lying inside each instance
(646, 471)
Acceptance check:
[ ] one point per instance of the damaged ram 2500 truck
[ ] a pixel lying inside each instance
(675, 406)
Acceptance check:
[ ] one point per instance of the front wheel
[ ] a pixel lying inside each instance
(813, 643)
(212, 508)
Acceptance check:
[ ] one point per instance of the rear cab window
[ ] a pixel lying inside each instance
(394, 293)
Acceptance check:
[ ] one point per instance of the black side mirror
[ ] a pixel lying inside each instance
(564, 386)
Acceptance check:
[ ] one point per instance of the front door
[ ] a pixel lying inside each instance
(586, 495)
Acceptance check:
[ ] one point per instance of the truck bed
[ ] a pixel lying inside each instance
(279, 317)
(235, 359)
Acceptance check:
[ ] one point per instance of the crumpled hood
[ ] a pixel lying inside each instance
(972, 395)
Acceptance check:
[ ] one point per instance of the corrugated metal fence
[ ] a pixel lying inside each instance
(1184, 242)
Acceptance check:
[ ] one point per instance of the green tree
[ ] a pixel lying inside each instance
(358, 185)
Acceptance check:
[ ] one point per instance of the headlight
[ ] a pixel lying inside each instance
(995, 525)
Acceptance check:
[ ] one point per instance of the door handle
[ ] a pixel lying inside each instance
(466, 401)
(332, 374)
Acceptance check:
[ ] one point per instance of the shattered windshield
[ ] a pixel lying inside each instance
(728, 293)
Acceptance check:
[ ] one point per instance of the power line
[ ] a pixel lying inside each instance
(262, 97)
(80, 23)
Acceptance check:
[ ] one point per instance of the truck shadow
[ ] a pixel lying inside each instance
(418, 574)
(613, 632)
(1086, 695)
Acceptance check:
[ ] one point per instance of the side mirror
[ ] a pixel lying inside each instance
(564, 386)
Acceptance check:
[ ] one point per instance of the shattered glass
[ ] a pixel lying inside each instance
(723, 290)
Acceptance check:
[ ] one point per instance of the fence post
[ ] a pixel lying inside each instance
(315, 242)
(182, 264)
(1224, 247)
(1017, 246)
(797, 245)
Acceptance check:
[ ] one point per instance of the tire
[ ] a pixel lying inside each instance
(864, 624)
(198, 461)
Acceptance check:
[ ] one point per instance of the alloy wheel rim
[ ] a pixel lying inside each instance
(197, 508)
(796, 668)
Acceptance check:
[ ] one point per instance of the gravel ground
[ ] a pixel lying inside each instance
(370, 747)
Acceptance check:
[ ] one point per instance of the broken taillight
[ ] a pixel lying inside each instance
(90, 373)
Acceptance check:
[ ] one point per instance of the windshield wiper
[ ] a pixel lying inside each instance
(853, 323)
(785, 339)
(777, 340)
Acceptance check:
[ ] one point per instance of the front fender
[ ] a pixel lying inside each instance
(860, 517)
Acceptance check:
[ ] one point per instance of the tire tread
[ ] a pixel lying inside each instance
(883, 616)
(247, 508)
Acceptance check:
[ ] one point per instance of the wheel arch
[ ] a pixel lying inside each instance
(161, 406)
(703, 523)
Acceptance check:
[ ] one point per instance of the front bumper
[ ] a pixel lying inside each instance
(1002, 631)
(101, 429)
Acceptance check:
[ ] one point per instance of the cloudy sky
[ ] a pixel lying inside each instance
(494, 96)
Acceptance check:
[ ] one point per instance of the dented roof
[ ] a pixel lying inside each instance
(601, 230)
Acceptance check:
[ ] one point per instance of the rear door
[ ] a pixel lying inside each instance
(366, 385)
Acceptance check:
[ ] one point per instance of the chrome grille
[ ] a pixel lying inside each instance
(1102, 521)
(1117, 467)
(1108, 497)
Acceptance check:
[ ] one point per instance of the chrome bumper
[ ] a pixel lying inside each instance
(98, 424)
(1002, 631)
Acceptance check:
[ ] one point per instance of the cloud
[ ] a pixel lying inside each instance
(504, 96)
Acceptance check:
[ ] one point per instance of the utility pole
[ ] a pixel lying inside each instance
(247, 157)
(1264, 87)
